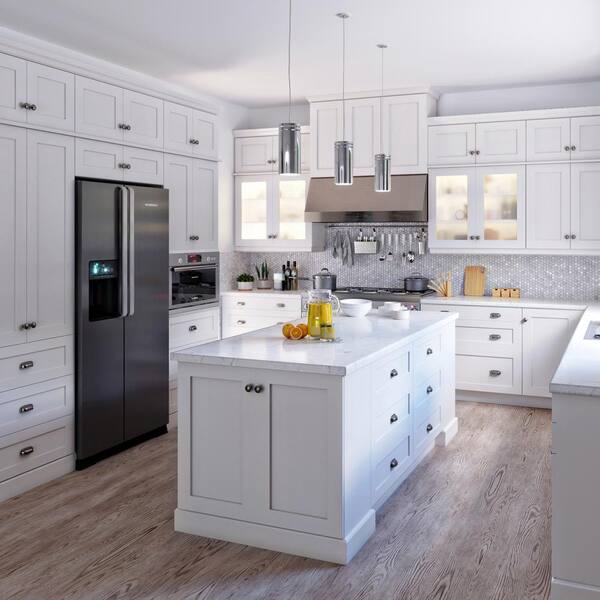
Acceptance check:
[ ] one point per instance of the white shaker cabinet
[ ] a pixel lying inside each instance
(546, 334)
(585, 138)
(13, 234)
(142, 166)
(326, 125)
(13, 88)
(256, 154)
(52, 93)
(452, 144)
(142, 119)
(193, 208)
(204, 134)
(548, 139)
(190, 131)
(99, 109)
(363, 130)
(585, 206)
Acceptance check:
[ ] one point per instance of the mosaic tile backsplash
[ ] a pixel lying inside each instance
(572, 278)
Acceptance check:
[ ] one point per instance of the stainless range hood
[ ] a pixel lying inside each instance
(359, 203)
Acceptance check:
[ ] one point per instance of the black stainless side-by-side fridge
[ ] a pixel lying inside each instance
(122, 322)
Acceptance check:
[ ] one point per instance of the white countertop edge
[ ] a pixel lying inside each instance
(512, 302)
(256, 292)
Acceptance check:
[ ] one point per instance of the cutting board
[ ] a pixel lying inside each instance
(474, 281)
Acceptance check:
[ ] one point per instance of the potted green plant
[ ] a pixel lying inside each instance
(245, 282)
(263, 283)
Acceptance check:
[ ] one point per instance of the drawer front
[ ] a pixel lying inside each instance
(35, 404)
(36, 362)
(428, 428)
(488, 374)
(494, 315)
(390, 467)
(390, 426)
(267, 302)
(427, 387)
(40, 445)
(236, 323)
(193, 328)
(426, 353)
(391, 379)
(488, 341)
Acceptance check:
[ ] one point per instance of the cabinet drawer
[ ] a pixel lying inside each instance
(273, 304)
(35, 362)
(426, 387)
(389, 427)
(35, 404)
(390, 467)
(236, 323)
(491, 314)
(488, 374)
(427, 352)
(34, 447)
(391, 380)
(428, 427)
(488, 341)
(193, 328)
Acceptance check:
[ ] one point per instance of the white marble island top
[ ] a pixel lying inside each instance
(579, 370)
(362, 339)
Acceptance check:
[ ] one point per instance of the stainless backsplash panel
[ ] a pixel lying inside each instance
(575, 278)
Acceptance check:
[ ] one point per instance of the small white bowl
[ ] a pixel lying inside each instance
(391, 306)
(402, 315)
(356, 307)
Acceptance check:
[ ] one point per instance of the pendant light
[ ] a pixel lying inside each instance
(343, 148)
(382, 179)
(289, 133)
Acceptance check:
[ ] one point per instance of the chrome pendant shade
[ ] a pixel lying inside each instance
(382, 173)
(289, 133)
(382, 180)
(289, 149)
(342, 151)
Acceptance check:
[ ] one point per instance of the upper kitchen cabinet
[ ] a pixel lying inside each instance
(36, 94)
(585, 206)
(477, 207)
(481, 143)
(585, 138)
(99, 109)
(193, 207)
(400, 120)
(269, 214)
(548, 139)
(143, 120)
(190, 131)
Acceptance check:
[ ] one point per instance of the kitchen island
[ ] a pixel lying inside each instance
(293, 445)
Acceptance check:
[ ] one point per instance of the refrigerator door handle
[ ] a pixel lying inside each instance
(131, 285)
(124, 209)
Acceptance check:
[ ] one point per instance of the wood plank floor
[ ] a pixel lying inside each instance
(472, 522)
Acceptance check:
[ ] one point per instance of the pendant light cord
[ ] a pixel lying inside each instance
(344, 78)
(290, 63)
(381, 106)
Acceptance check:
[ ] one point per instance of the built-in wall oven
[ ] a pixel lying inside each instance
(193, 279)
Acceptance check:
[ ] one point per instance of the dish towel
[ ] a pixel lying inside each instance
(335, 243)
(347, 251)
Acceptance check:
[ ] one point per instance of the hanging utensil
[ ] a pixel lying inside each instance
(390, 254)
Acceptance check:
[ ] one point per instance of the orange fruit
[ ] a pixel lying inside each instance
(286, 330)
(296, 333)
(304, 328)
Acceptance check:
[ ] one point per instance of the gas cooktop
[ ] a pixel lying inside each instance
(381, 294)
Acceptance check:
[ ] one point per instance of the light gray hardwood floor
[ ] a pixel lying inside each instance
(471, 523)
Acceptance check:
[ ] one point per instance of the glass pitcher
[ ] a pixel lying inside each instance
(322, 305)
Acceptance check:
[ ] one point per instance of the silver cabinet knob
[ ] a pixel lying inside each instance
(573, 148)
(429, 427)
(524, 320)
(24, 105)
(393, 373)
(241, 322)
(393, 464)
(495, 315)
(494, 337)
(33, 325)
(568, 148)
(429, 389)
(477, 237)
(472, 152)
(240, 303)
(573, 236)
(258, 389)
(477, 152)
(121, 125)
(192, 328)
(25, 408)
(393, 418)
(495, 373)
(26, 365)
(24, 326)
(32, 107)
(429, 351)
(567, 236)
(281, 305)
(249, 387)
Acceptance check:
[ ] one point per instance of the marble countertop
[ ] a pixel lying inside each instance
(362, 340)
(579, 370)
(516, 302)
(264, 292)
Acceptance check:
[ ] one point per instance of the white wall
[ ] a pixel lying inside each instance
(271, 116)
(520, 98)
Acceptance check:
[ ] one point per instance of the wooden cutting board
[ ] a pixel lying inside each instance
(474, 281)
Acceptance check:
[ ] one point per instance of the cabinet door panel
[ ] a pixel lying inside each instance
(205, 131)
(178, 180)
(50, 201)
(326, 128)
(548, 206)
(545, 337)
(500, 142)
(178, 128)
(452, 145)
(13, 202)
(99, 108)
(585, 206)
(146, 166)
(363, 129)
(254, 154)
(287, 211)
(549, 139)
(585, 138)
(13, 88)
(305, 152)
(53, 93)
(98, 159)
(405, 133)
(144, 114)
(202, 206)
(252, 199)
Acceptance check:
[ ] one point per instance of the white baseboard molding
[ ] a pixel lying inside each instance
(510, 399)
(448, 433)
(27, 481)
(569, 590)
(320, 547)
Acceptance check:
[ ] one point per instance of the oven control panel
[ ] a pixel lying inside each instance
(206, 258)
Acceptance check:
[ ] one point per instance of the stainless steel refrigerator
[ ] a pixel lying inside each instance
(122, 308)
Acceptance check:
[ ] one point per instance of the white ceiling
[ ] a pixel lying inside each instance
(236, 49)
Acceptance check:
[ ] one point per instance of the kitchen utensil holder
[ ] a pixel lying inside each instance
(365, 247)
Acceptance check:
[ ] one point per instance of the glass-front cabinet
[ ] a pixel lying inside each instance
(270, 213)
(477, 207)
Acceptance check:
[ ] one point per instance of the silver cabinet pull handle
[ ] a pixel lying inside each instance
(26, 365)
(393, 464)
(240, 303)
(495, 315)
(393, 418)
(393, 373)
(280, 305)
(495, 373)
(25, 451)
(494, 337)
(192, 328)
(26, 408)
(241, 322)
(429, 351)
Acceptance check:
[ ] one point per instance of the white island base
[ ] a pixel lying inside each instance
(292, 446)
